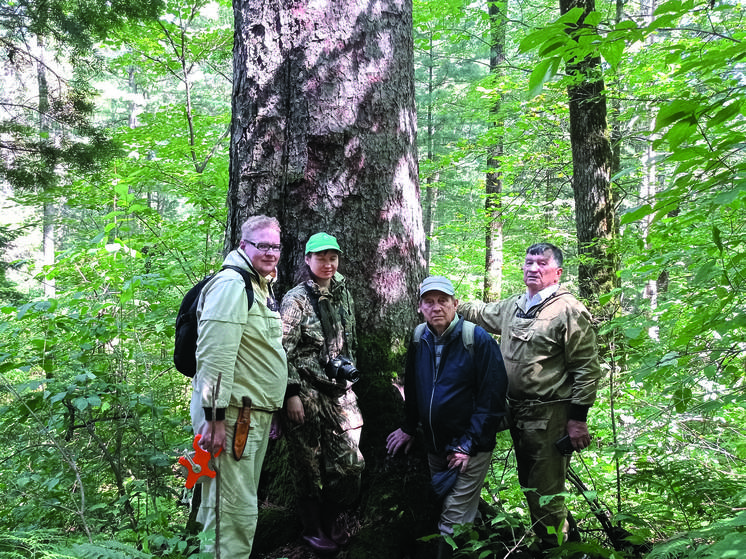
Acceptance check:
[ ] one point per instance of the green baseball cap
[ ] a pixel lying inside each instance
(321, 242)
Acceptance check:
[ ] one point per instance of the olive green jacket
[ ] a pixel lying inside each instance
(551, 357)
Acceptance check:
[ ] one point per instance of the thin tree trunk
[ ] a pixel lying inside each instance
(493, 185)
(431, 190)
(592, 158)
(48, 209)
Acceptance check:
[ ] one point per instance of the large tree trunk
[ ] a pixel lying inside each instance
(324, 138)
(592, 158)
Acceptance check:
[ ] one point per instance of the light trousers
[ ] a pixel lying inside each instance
(235, 519)
(460, 505)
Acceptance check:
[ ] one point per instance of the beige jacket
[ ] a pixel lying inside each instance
(239, 350)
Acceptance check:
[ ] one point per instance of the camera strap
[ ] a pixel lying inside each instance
(325, 314)
(534, 311)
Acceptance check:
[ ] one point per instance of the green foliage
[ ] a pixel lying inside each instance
(88, 383)
(723, 539)
(107, 550)
(93, 416)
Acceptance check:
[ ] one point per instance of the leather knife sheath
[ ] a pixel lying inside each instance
(241, 431)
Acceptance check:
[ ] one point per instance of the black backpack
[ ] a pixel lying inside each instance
(185, 344)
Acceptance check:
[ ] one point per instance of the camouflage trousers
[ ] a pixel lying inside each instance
(324, 451)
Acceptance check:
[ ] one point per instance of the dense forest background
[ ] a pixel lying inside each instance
(114, 138)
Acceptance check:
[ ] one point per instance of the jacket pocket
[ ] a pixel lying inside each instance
(516, 347)
(532, 424)
(522, 334)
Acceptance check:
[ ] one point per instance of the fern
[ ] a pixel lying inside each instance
(724, 539)
(108, 550)
(22, 544)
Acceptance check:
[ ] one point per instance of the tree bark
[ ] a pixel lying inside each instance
(493, 185)
(592, 159)
(323, 137)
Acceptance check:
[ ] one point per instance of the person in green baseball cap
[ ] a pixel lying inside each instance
(321, 242)
(319, 336)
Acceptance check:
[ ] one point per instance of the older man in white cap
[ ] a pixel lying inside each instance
(454, 389)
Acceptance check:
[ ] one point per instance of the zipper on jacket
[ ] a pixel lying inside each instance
(432, 391)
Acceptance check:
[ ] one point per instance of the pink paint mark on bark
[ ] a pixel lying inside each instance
(391, 285)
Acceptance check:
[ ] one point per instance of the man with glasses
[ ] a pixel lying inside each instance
(549, 347)
(240, 382)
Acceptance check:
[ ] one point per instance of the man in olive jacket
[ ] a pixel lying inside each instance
(549, 347)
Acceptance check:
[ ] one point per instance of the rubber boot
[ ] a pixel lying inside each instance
(332, 525)
(445, 551)
(313, 535)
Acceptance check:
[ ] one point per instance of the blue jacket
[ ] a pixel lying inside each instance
(460, 406)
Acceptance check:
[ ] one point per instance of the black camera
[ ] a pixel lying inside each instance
(342, 368)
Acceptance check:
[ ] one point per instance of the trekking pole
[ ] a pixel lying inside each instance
(616, 534)
(593, 503)
(217, 469)
(217, 509)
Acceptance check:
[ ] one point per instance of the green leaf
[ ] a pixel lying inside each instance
(725, 114)
(730, 195)
(681, 399)
(716, 238)
(612, 52)
(57, 397)
(636, 214)
(676, 111)
(543, 72)
(80, 403)
(705, 273)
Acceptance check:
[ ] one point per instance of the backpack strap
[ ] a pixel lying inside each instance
(246, 275)
(467, 335)
(418, 331)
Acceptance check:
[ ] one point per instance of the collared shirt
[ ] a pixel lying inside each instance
(527, 302)
(440, 341)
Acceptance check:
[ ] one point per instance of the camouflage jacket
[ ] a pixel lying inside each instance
(303, 337)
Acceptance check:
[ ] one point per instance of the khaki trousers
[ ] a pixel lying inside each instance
(460, 505)
(238, 507)
(542, 469)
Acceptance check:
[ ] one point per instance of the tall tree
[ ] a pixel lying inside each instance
(493, 186)
(323, 136)
(592, 159)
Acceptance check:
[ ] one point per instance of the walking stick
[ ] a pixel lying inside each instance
(217, 470)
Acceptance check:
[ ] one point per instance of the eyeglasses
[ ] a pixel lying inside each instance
(265, 247)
